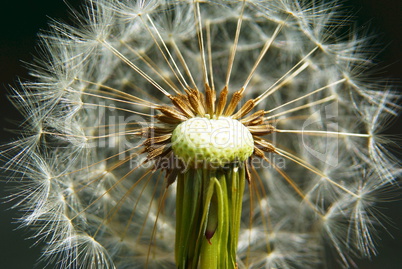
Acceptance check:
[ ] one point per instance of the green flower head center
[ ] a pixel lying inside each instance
(216, 141)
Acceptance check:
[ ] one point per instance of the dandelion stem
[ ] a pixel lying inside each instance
(208, 212)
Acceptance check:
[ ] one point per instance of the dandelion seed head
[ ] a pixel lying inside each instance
(113, 96)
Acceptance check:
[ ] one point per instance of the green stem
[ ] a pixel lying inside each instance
(210, 254)
(208, 214)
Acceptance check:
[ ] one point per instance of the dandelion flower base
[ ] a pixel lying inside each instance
(216, 141)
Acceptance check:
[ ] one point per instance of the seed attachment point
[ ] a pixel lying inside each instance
(212, 141)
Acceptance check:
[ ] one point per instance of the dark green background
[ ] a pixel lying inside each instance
(21, 20)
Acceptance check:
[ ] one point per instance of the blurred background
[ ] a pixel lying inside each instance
(20, 22)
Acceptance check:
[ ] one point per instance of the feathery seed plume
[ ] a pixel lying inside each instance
(203, 134)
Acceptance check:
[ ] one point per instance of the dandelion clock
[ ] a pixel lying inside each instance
(203, 134)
